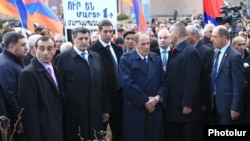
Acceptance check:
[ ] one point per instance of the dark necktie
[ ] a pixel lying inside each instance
(214, 73)
(115, 67)
(144, 64)
(83, 55)
(173, 50)
(145, 60)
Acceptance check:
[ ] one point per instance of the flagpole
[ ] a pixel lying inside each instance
(22, 29)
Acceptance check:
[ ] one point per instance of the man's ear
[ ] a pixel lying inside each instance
(11, 46)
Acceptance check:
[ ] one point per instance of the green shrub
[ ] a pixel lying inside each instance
(122, 17)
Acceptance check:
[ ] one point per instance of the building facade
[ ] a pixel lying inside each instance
(159, 8)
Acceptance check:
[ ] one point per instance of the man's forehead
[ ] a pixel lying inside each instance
(22, 40)
(107, 28)
(59, 38)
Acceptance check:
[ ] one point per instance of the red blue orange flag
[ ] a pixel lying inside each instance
(17, 9)
(42, 15)
(212, 10)
(8, 8)
(25, 17)
(139, 15)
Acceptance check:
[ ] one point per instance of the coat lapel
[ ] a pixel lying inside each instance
(137, 63)
(41, 69)
(151, 68)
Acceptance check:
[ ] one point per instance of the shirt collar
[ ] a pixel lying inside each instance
(142, 57)
(223, 50)
(78, 51)
(195, 45)
(45, 65)
(167, 49)
(104, 44)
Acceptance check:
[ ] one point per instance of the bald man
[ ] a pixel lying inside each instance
(164, 47)
(183, 106)
(239, 43)
(227, 78)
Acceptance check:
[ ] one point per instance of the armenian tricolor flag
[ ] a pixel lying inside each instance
(41, 14)
(140, 18)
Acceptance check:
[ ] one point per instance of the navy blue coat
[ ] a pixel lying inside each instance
(230, 84)
(10, 69)
(138, 84)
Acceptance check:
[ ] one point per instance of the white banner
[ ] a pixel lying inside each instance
(88, 13)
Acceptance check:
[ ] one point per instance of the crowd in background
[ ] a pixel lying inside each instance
(164, 83)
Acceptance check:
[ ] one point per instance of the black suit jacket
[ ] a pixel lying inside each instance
(206, 41)
(3, 106)
(28, 59)
(246, 98)
(206, 55)
(115, 93)
(43, 114)
(183, 78)
(156, 50)
(246, 54)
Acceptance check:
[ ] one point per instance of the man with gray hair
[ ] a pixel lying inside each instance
(206, 59)
(206, 40)
(142, 80)
(59, 39)
(31, 47)
(66, 46)
(94, 37)
(86, 99)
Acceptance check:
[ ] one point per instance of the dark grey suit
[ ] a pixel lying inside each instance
(85, 91)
